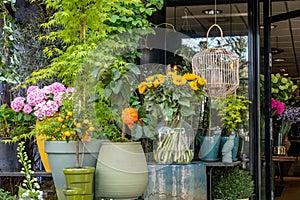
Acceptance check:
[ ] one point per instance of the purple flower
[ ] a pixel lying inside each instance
(17, 104)
(27, 109)
(291, 114)
(295, 93)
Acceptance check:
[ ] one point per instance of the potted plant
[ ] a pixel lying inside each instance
(121, 170)
(233, 183)
(41, 104)
(66, 138)
(172, 99)
(233, 111)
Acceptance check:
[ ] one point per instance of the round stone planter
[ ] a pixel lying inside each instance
(121, 171)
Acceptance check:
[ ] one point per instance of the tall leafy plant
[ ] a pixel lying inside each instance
(84, 25)
(8, 59)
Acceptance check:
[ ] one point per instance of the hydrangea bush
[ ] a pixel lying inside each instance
(42, 102)
(282, 87)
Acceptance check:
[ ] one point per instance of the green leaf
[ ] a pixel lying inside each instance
(114, 18)
(137, 131)
(107, 92)
(118, 86)
(184, 102)
(148, 133)
(116, 75)
(186, 111)
(20, 116)
(134, 69)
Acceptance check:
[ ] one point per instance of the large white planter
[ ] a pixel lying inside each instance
(121, 171)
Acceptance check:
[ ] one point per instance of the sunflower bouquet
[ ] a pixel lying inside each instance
(172, 95)
(172, 98)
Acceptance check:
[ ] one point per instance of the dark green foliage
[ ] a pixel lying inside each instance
(232, 184)
(13, 123)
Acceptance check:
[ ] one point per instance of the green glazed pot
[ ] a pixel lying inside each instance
(80, 178)
(74, 194)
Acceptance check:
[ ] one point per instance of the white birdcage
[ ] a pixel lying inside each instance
(219, 67)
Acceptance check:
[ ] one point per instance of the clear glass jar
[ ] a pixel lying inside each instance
(174, 145)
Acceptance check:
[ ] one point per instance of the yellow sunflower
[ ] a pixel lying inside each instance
(156, 83)
(161, 78)
(190, 76)
(142, 87)
(179, 80)
(149, 84)
(193, 85)
(150, 78)
(201, 81)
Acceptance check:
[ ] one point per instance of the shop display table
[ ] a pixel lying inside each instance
(279, 160)
(182, 181)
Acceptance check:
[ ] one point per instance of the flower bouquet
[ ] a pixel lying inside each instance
(288, 117)
(172, 99)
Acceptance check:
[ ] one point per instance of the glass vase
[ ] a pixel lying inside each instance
(174, 145)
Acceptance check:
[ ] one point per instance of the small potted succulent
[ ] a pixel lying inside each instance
(233, 183)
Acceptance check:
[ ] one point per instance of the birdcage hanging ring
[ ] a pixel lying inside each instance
(218, 66)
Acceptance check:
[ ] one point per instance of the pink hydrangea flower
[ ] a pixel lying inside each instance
(51, 108)
(27, 109)
(44, 102)
(35, 97)
(32, 88)
(17, 104)
(54, 88)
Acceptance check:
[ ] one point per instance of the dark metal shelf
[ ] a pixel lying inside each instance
(19, 174)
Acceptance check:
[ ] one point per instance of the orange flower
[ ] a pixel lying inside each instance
(129, 117)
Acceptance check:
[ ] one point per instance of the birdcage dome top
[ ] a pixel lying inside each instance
(220, 69)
